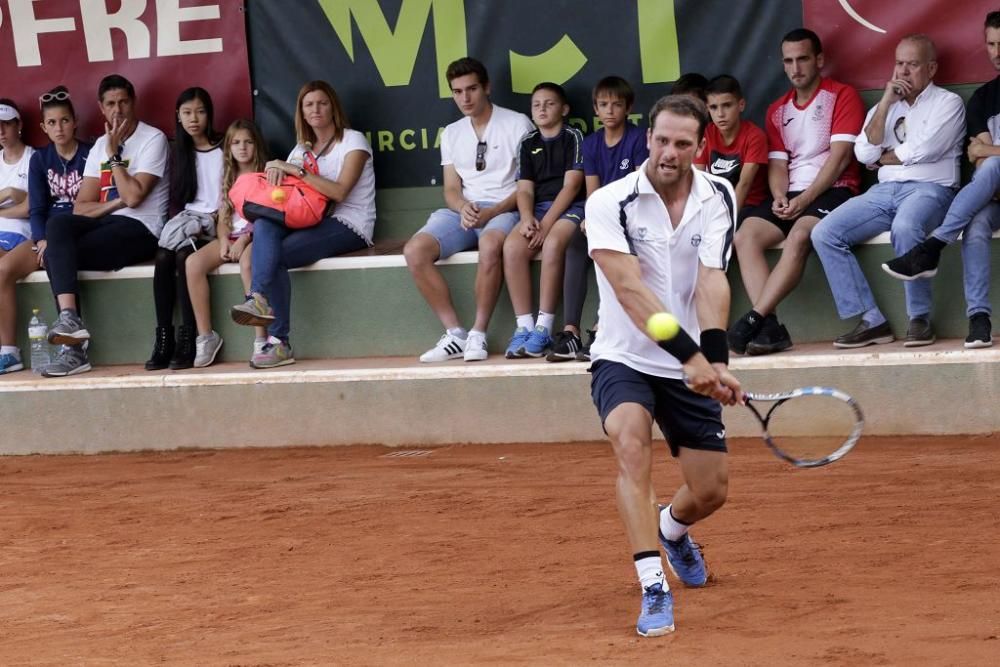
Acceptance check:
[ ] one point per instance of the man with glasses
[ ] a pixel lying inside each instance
(913, 138)
(975, 213)
(479, 159)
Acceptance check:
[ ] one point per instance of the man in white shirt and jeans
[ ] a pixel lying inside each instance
(661, 239)
(913, 137)
(479, 158)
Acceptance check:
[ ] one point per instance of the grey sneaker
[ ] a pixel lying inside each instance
(254, 312)
(275, 353)
(68, 329)
(71, 360)
(206, 347)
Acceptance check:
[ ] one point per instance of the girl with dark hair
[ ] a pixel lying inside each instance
(196, 184)
(14, 229)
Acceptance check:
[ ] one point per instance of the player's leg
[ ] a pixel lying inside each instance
(976, 242)
(857, 220)
(550, 284)
(625, 401)
(440, 238)
(921, 208)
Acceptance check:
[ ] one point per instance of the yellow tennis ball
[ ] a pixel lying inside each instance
(277, 195)
(662, 326)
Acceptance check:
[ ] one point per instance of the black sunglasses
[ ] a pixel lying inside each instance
(481, 156)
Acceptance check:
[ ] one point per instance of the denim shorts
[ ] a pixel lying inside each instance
(10, 240)
(445, 225)
(686, 419)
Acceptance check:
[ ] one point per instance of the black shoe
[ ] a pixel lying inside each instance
(185, 349)
(584, 353)
(773, 337)
(980, 331)
(919, 333)
(865, 334)
(163, 349)
(743, 331)
(920, 261)
(565, 345)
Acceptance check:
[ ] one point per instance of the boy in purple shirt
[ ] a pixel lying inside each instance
(614, 151)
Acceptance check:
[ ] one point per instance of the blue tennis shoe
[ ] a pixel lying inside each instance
(538, 342)
(657, 615)
(685, 560)
(515, 349)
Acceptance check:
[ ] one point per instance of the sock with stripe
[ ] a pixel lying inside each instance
(649, 567)
(670, 527)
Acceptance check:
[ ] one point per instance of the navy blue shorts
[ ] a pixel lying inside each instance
(686, 419)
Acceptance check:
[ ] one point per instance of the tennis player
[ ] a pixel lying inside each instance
(661, 239)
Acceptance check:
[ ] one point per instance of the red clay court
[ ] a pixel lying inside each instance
(491, 554)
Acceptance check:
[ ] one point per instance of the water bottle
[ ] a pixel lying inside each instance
(38, 333)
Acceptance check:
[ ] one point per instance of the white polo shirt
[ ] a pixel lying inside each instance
(668, 259)
(502, 135)
(927, 138)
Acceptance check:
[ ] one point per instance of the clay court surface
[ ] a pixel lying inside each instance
(486, 554)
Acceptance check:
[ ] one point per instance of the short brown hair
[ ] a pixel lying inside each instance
(464, 66)
(303, 133)
(682, 105)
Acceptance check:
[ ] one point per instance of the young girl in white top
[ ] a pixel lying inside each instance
(245, 154)
(196, 182)
(15, 228)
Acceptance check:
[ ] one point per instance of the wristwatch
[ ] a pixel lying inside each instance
(302, 172)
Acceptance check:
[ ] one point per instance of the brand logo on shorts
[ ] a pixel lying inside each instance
(624, 165)
(696, 240)
(823, 211)
(721, 434)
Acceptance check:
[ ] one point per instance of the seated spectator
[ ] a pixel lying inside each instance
(913, 136)
(610, 153)
(345, 175)
(196, 175)
(692, 84)
(479, 161)
(974, 214)
(735, 148)
(550, 201)
(811, 171)
(116, 219)
(246, 153)
(15, 229)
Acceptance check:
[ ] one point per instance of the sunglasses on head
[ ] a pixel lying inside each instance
(60, 96)
(481, 156)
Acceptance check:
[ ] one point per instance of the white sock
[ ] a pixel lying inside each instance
(671, 528)
(459, 332)
(10, 349)
(525, 322)
(546, 320)
(477, 332)
(650, 569)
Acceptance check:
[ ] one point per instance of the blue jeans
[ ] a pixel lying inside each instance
(908, 210)
(277, 248)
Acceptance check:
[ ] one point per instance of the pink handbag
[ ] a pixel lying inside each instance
(294, 203)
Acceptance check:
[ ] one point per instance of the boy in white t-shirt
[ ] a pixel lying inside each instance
(479, 159)
(116, 220)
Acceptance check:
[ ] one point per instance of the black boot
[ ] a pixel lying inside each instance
(184, 351)
(163, 349)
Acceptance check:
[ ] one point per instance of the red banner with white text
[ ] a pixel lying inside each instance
(161, 46)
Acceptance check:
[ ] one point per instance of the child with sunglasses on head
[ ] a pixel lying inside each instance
(246, 153)
(17, 258)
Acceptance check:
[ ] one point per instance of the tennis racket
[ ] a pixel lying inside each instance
(787, 420)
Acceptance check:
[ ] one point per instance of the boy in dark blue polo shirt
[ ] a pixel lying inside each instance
(550, 200)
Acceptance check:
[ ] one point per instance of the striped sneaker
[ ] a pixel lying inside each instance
(254, 312)
(447, 347)
(565, 346)
(276, 352)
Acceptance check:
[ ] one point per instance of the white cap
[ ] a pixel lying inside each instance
(8, 112)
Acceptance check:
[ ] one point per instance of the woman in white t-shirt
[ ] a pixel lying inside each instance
(15, 228)
(343, 163)
(196, 185)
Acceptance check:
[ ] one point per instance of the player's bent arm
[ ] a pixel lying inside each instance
(747, 173)
(623, 273)
(777, 177)
(453, 196)
(712, 304)
(841, 154)
(88, 200)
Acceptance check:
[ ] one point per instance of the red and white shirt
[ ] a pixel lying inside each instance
(802, 135)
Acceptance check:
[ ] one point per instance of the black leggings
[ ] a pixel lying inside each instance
(170, 284)
(78, 243)
(575, 275)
